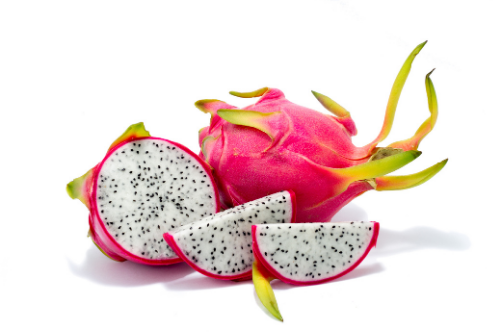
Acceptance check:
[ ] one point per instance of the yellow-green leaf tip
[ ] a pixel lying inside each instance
(251, 94)
(133, 131)
(331, 105)
(79, 187)
(392, 183)
(379, 167)
(255, 119)
(261, 282)
(396, 90)
(201, 104)
(419, 47)
(71, 189)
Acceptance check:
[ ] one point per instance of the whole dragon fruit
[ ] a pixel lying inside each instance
(275, 145)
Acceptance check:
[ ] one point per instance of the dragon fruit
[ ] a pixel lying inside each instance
(144, 187)
(219, 246)
(274, 145)
(307, 254)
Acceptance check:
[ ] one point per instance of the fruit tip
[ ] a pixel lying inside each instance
(318, 96)
(429, 74)
(419, 47)
(200, 105)
(440, 165)
(251, 94)
(69, 190)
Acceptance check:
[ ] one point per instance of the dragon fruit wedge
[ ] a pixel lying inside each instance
(220, 246)
(274, 145)
(307, 253)
(144, 187)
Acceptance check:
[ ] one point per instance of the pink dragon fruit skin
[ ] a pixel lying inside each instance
(275, 144)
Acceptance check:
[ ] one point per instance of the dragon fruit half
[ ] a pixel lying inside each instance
(144, 187)
(275, 145)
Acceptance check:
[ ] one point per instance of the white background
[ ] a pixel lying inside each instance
(75, 74)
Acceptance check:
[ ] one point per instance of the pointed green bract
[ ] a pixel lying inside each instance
(256, 93)
(428, 124)
(261, 281)
(331, 105)
(391, 183)
(201, 105)
(79, 188)
(431, 95)
(377, 168)
(396, 90)
(255, 119)
(134, 131)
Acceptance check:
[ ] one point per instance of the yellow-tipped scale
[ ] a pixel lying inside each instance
(133, 131)
(79, 187)
(331, 105)
(262, 283)
(390, 183)
(201, 104)
(255, 119)
(251, 94)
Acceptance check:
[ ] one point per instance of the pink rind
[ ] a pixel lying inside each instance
(276, 274)
(100, 244)
(111, 243)
(293, 199)
(104, 240)
(237, 278)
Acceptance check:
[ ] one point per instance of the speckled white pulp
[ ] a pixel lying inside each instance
(314, 251)
(222, 244)
(148, 187)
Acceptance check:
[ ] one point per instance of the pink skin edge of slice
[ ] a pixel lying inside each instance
(293, 199)
(102, 245)
(258, 255)
(237, 278)
(111, 243)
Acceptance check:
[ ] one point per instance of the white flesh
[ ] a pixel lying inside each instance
(222, 244)
(314, 251)
(148, 187)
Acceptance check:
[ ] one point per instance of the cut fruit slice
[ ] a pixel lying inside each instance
(144, 187)
(313, 253)
(219, 246)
